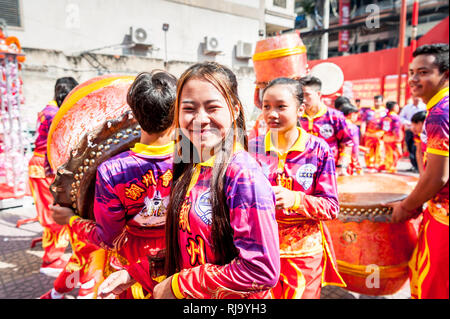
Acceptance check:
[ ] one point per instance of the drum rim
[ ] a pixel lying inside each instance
(73, 100)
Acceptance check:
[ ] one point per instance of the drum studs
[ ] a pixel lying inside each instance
(77, 176)
(86, 161)
(99, 154)
(81, 175)
(86, 168)
(119, 135)
(93, 154)
(138, 127)
(74, 206)
(78, 183)
(125, 136)
(116, 141)
(73, 185)
(100, 147)
(107, 147)
(109, 141)
(135, 133)
(80, 169)
(73, 198)
(92, 162)
(129, 130)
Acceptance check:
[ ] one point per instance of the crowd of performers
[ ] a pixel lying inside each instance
(198, 208)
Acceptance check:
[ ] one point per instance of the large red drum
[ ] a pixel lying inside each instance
(372, 253)
(280, 56)
(93, 124)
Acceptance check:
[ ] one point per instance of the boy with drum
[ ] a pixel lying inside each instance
(429, 265)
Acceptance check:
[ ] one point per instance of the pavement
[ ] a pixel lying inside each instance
(20, 263)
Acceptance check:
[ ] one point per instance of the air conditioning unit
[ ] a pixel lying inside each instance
(212, 45)
(141, 36)
(244, 50)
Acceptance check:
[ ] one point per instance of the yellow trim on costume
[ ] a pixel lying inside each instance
(299, 145)
(326, 254)
(416, 263)
(72, 219)
(53, 103)
(278, 53)
(154, 150)
(322, 110)
(138, 292)
(176, 287)
(77, 96)
(207, 163)
(297, 201)
(437, 152)
(38, 154)
(437, 97)
(392, 271)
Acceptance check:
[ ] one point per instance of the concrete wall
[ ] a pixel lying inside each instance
(55, 33)
(43, 67)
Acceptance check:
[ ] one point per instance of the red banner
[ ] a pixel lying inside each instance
(390, 88)
(364, 89)
(344, 19)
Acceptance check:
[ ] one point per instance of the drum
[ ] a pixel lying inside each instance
(280, 56)
(372, 253)
(93, 124)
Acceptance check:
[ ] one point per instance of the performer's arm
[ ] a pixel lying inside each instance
(345, 144)
(323, 204)
(436, 172)
(257, 267)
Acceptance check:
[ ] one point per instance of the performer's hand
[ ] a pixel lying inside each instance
(163, 290)
(61, 215)
(399, 214)
(285, 198)
(115, 284)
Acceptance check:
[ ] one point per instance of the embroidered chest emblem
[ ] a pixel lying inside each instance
(203, 207)
(305, 175)
(154, 212)
(326, 131)
(386, 125)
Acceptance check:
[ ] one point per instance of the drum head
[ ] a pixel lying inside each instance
(331, 76)
(373, 189)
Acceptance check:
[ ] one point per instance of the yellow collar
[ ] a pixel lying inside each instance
(322, 110)
(437, 97)
(210, 161)
(299, 145)
(154, 150)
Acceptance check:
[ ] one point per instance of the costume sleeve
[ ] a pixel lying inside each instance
(255, 234)
(437, 131)
(345, 140)
(109, 216)
(395, 133)
(323, 203)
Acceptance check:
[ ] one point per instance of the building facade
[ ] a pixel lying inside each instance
(86, 38)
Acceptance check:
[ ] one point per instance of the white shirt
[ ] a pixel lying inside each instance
(409, 110)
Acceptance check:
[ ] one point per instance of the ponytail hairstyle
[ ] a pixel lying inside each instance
(221, 232)
(63, 86)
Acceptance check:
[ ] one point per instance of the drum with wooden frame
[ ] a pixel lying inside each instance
(93, 124)
(372, 253)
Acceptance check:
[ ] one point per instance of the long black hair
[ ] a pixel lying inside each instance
(63, 86)
(183, 168)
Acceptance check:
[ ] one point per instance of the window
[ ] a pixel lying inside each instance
(10, 12)
(279, 3)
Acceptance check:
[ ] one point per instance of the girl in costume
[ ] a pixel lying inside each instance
(221, 232)
(302, 172)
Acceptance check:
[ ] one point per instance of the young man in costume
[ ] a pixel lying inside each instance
(326, 123)
(429, 265)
